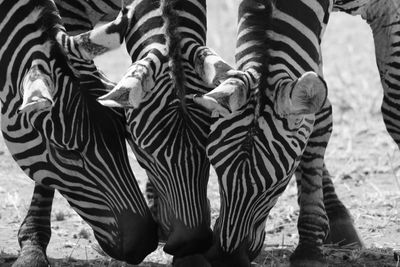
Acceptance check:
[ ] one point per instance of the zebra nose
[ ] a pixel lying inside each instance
(219, 258)
(184, 240)
(137, 238)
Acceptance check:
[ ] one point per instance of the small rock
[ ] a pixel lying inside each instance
(347, 177)
(69, 245)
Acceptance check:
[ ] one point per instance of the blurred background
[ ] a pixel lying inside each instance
(361, 157)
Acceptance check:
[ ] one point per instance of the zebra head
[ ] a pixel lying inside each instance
(169, 131)
(62, 137)
(258, 139)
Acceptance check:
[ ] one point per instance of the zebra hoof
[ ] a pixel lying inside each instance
(343, 233)
(196, 260)
(306, 256)
(31, 256)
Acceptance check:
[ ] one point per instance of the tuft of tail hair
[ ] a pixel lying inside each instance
(173, 40)
(258, 19)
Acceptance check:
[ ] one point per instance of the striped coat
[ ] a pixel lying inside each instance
(62, 138)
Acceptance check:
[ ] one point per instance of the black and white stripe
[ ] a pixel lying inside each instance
(169, 131)
(256, 149)
(75, 145)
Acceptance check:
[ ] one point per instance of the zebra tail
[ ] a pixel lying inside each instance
(173, 39)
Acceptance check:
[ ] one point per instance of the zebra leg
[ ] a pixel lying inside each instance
(313, 222)
(341, 227)
(384, 19)
(34, 233)
(386, 32)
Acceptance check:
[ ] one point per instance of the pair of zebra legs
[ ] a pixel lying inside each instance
(35, 231)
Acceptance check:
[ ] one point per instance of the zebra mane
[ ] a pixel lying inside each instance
(173, 38)
(49, 21)
(257, 19)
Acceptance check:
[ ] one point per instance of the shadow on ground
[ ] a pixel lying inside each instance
(278, 257)
(6, 260)
(343, 257)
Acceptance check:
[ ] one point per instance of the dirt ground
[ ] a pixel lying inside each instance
(362, 158)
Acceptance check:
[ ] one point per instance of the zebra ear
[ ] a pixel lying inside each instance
(103, 38)
(133, 87)
(227, 98)
(210, 67)
(307, 95)
(36, 90)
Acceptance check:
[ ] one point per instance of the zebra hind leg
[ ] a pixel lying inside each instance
(34, 233)
(312, 223)
(341, 228)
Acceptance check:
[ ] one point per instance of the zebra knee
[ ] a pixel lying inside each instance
(137, 238)
(184, 240)
(390, 113)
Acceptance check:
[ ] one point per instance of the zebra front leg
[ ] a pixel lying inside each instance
(341, 227)
(34, 233)
(313, 223)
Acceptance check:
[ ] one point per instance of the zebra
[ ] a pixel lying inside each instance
(384, 20)
(62, 138)
(78, 17)
(166, 42)
(277, 123)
